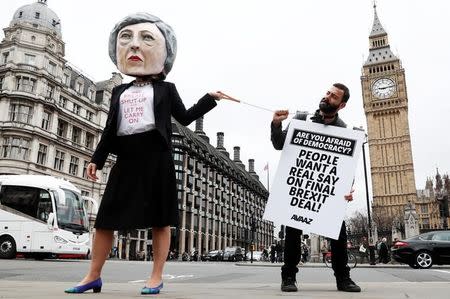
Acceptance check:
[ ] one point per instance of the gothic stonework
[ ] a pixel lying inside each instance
(385, 103)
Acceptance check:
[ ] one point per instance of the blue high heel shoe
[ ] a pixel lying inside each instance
(95, 285)
(152, 291)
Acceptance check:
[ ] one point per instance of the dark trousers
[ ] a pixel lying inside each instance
(292, 254)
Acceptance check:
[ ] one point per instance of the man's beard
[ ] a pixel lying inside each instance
(326, 107)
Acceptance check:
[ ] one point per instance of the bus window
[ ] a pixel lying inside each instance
(44, 206)
(22, 199)
(70, 212)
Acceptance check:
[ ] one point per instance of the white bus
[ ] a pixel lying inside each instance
(42, 216)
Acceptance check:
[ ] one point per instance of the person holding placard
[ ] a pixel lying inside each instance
(334, 100)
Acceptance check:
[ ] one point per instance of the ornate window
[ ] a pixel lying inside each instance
(89, 142)
(46, 116)
(50, 91)
(15, 147)
(62, 102)
(62, 128)
(59, 160)
(76, 135)
(73, 166)
(51, 67)
(20, 113)
(25, 84)
(42, 154)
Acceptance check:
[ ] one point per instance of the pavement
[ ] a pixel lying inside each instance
(179, 289)
(53, 290)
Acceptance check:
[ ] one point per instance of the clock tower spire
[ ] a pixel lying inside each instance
(385, 102)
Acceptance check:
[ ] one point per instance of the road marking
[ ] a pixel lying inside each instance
(443, 271)
(165, 277)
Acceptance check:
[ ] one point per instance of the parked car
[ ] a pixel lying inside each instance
(234, 254)
(257, 256)
(213, 255)
(424, 250)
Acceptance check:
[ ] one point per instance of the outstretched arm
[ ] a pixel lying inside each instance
(186, 116)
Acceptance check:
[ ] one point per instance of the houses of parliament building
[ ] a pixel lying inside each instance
(385, 101)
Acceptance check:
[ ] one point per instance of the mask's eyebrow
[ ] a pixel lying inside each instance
(124, 31)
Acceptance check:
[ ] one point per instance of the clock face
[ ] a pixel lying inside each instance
(383, 88)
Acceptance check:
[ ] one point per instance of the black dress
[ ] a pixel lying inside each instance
(141, 190)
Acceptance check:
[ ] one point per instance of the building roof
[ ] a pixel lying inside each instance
(38, 13)
(377, 28)
(379, 54)
(213, 156)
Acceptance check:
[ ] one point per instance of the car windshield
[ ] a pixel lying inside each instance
(70, 211)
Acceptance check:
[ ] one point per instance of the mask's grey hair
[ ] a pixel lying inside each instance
(143, 17)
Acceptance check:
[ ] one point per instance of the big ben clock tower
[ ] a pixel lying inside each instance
(386, 108)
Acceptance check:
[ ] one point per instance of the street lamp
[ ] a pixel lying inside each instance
(253, 229)
(369, 220)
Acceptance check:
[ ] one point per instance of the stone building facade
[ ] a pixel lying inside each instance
(430, 206)
(51, 114)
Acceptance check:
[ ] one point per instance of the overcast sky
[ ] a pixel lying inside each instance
(281, 55)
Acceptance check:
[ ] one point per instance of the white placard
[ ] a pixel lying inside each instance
(316, 169)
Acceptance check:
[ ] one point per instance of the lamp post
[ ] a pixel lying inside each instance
(369, 220)
(253, 229)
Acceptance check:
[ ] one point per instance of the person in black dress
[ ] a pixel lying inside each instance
(141, 189)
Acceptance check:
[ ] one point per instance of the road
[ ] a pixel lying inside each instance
(123, 279)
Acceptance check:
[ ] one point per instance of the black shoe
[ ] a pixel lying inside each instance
(347, 285)
(288, 284)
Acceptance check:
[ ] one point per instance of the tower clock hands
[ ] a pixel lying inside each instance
(384, 87)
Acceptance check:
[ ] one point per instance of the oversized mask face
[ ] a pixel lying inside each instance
(141, 50)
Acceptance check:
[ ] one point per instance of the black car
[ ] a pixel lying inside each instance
(233, 254)
(213, 255)
(424, 250)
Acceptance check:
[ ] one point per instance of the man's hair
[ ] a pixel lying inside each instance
(345, 89)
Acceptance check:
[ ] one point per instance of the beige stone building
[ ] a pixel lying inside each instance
(51, 113)
(385, 97)
(428, 206)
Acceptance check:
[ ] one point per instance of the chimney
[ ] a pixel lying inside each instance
(251, 169)
(237, 157)
(199, 129)
(237, 154)
(220, 138)
(199, 125)
(251, 165)
(220, 147)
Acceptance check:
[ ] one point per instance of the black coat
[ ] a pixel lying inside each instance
(166, 103)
